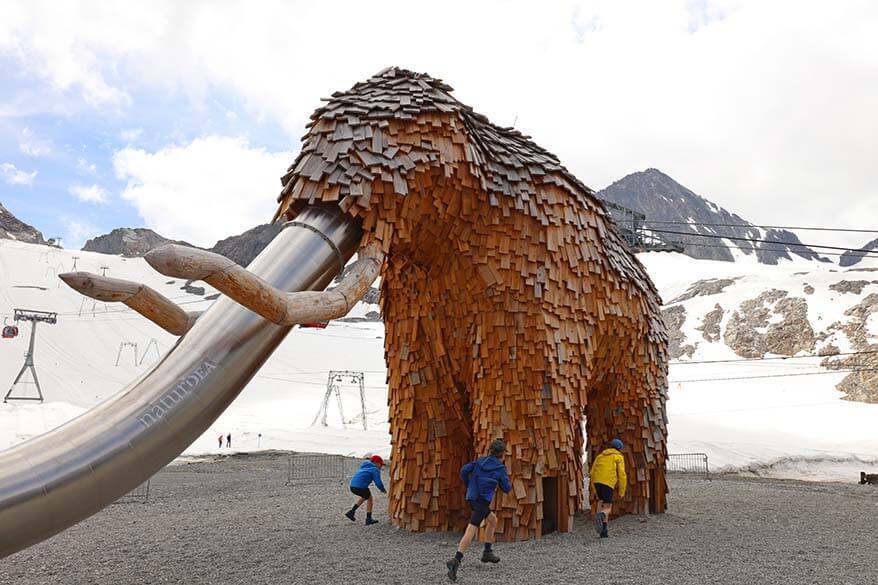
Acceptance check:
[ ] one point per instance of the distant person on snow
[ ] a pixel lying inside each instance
(220, 441)
(482, 477)
(369, 471)
(228, 440)
(607, 471)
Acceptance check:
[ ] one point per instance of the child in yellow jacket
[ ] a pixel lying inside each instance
(607, 472)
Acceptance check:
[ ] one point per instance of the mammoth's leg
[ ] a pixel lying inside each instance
(143, 299)
(428, 404)
(259, 296)
(627, 401)
(527, 396)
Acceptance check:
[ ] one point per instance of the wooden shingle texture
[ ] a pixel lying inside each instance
(512, 307)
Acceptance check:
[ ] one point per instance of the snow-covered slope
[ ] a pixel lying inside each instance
(767, 415)
(739, 423)
(75, 360)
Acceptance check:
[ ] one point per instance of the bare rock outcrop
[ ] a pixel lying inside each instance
(244, 247)
(794, 333)
(12, 228)
(674, 317)
(710, 325)
(861, 385)
(750, 332)
(129, 242)
(849, 286)
(703, 288)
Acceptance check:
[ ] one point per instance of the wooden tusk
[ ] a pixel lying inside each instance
(139, 297)
(222, 274)
(259, 296)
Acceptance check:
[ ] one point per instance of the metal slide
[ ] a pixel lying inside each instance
(51, 482)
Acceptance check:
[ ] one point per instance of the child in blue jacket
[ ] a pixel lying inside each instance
(369, 471)
(482, 477)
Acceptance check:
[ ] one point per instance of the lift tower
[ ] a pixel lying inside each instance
(35, 318)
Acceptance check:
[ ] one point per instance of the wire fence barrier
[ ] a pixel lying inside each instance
(688, 463)
(304, 469)
(139, 495)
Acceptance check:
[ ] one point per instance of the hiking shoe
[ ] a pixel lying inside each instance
(350, 515)
(452, 565)
(600, 522)
(604, 533)
(371, 521)
(488, 556)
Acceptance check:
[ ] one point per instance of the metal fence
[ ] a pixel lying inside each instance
(688, 463)
(304, 469)
(139, 495)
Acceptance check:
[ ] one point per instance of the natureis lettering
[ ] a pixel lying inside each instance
(158, 409)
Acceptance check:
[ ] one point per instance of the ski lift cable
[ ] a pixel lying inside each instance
(786, 375)
(762, 359)
(761, 240)
(776, 227)
(873, 254)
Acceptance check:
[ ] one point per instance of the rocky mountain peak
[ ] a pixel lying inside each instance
(850, 258)
(243, 248)
(132, 242)
(12, 228)
(662, 199)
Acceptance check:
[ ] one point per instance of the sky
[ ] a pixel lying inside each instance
(182, 116)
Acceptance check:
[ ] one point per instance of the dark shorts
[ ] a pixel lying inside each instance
(361, 492)
(604, 492)
(481, 510)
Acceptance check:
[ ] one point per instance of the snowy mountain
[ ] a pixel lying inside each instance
(796, 415)
(850, 258)
(12, 228)
(662, 199)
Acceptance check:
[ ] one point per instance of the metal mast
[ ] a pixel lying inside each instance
(35, 317)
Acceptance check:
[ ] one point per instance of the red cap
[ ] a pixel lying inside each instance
(377, 460)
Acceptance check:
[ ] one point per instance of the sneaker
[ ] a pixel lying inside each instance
(350, 515)
(452, 565)
(488, 556)
(371, 521)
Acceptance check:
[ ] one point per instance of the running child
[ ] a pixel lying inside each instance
(482, 477)
(607, 472)
(369, 471)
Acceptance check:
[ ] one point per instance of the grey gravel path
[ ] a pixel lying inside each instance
(233, 521)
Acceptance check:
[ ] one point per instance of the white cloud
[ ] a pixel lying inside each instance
(85, 167)
(77, 231)
(14, 176)
(90, 193)
(131, 134)
(32, 145)
(765, 107)
(205, 190)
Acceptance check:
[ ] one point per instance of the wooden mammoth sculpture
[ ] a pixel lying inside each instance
(512, 308)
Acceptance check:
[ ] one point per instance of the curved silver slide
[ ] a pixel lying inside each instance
(51, 482)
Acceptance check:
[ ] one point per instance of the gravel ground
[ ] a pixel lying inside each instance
(233, 521)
